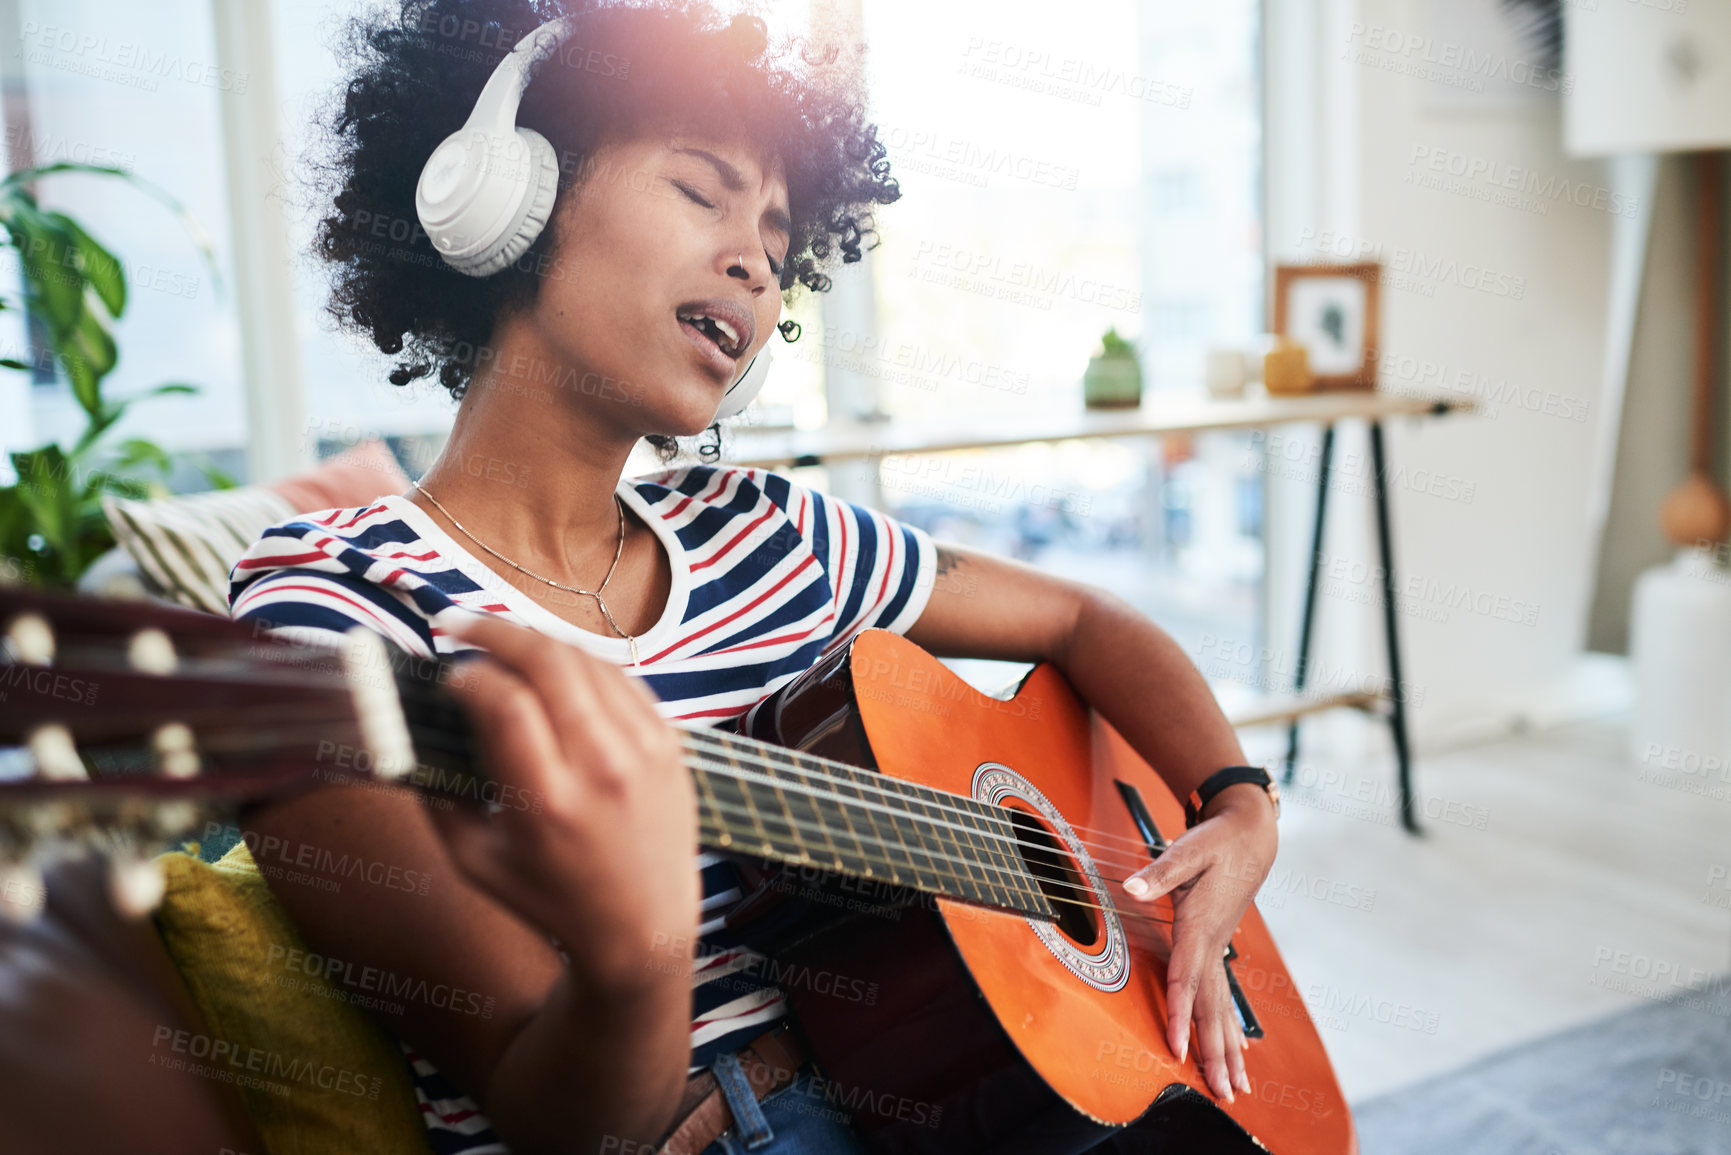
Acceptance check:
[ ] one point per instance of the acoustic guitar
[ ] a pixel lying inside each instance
(955, 856)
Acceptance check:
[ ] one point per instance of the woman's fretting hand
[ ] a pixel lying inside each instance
(596, 839)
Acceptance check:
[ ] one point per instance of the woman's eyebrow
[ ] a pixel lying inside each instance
(733, 182)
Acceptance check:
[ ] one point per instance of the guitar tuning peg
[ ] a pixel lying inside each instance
(135, 885)
(56, 754)
(176, 750)
(22, 893)
(172, 820)
(30, 639)
(151, 652)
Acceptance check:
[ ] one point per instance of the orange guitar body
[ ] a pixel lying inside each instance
(1063, 1002)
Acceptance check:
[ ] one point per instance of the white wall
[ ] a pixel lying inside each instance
(1511, 521)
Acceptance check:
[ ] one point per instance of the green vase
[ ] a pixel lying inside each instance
(1112, 381)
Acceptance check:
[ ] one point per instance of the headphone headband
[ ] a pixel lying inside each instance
(487, 191)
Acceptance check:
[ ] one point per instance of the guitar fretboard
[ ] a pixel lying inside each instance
(759, 799)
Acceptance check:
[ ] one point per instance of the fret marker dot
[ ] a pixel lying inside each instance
(768, 848)
(726, 839)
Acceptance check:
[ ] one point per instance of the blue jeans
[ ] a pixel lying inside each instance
(796, 1120)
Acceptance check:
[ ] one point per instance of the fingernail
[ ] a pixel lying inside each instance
(1136, 885)
(1183, 1048)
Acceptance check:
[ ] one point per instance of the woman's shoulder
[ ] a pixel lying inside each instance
(364, 564)
(329, 538)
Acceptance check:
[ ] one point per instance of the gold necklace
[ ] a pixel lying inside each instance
(594, 593)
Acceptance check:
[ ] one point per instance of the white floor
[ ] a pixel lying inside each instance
(1552, 887)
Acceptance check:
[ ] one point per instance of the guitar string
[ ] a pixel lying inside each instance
(212, 743)
(798, 828)
(717, 757)
(884, 844)
(771, 753)
(826, 771)
(733, 744)
(217, 742)
(897, 801)
(825, 792)
(755, 748)
(914, 868)
(830, 766)
(985, 813)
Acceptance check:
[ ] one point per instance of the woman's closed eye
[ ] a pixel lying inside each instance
(692, 193)
(696, 197)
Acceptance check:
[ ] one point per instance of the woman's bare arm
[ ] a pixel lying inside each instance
(599, 856)
(1142, 682)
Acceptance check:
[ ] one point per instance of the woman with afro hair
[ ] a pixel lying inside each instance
(705, 174)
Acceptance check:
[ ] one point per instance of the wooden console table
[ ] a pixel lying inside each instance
(1157, 417)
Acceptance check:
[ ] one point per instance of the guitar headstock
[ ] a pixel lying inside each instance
(124, 724)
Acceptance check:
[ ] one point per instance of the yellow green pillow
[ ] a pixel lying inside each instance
(319, 1077)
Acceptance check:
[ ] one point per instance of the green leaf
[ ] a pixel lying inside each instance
(136, 451)
(52, 280)
(25, 176)
(47, 488)
(100, 267)
(86, 384)
(103, 481)
(218, 477)
(99, 423)
(95, 343)
(165, 390)
(14, 525)
(9, 363)
(13, 191)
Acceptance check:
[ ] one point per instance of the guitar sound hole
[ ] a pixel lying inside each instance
(1057, 877)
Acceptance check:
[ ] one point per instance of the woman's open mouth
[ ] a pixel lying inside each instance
(720, 330)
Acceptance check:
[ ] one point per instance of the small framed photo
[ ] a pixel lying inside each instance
(1331, 310)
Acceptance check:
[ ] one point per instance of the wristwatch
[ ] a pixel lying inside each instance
(1220, 780)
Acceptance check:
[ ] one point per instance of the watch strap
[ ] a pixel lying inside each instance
(1220, 780)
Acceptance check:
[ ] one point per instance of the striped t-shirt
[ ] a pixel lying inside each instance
(768, 576)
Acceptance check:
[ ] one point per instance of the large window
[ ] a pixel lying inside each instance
(1063, 177)
(134, 86)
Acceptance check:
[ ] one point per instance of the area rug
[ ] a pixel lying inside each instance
(1655, 1080)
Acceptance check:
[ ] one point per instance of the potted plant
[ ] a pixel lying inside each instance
(51, 521)
(1113, 379)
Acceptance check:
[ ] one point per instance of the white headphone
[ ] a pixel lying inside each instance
(487, 191)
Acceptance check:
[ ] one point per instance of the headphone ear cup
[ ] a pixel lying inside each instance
(529, 215)
(750, 382)
(532, 212)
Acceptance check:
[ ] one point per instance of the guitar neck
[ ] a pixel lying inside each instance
(759, 799)
(257, 716)
(766, 801)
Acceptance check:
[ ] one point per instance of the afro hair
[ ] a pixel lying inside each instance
(412, 78)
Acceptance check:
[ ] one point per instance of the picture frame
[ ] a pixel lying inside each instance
(1332, 310)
